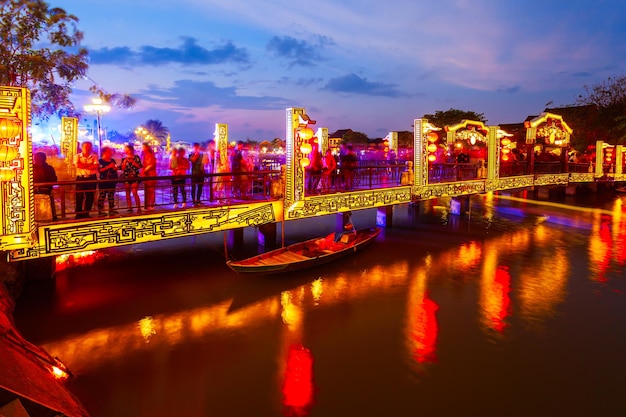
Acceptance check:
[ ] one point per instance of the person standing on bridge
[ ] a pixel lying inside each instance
(149, 162)
(237, 168)
(196, 158)
(86, 163)
(130, 167)
(180, 167)
(108, 171)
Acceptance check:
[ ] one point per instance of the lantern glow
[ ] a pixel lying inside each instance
(432, 147)
(10, 127)
(8, 153)
(306, 133)
(432, 158)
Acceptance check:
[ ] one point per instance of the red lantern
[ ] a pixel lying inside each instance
(10, 127)
(305, 162)
(306, 133)
(506, 142)
(433, 137)
(7, 153)
(432, 158)
(432, 148)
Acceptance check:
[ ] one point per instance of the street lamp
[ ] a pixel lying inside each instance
(98, 107)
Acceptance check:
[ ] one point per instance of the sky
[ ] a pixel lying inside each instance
(368, 65)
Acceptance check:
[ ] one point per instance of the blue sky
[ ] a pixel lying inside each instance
(363, 64)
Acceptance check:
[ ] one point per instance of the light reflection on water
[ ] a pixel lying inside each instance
(515, 281)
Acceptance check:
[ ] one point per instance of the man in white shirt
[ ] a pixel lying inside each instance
(86, 164)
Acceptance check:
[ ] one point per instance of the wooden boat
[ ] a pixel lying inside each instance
(306, 254)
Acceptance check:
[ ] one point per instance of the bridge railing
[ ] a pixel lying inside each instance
(453, 172)
(363, 177)
(169, 193)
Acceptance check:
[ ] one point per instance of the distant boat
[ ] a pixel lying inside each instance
(306, 254)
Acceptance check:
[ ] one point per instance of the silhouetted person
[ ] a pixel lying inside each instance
(44, 173)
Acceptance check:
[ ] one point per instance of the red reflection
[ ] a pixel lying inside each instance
(77, 259)
(607, 243)
(501, 288)
(425, 331)
(298, 384)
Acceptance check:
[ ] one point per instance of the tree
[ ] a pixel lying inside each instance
(453, 116)
(278, 143)
(609, 98)
(355, 137)
(40, 50)
(157, 130)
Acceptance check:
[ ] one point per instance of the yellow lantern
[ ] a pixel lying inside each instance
(10, 127)
(433, 137)
(306, 133)
(305, 162)
(7, 153)
(432, 158)
(505, 158)
(432, 148)
(506, 151)
(6, 174)
(506, 142)
(306, 148)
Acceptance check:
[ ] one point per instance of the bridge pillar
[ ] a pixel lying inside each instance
(266, 235)
(459, 205)
(384, 216)
(235, 238)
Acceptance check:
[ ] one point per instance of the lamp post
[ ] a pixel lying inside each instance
(98, 107)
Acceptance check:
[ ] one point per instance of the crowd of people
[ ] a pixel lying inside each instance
(97, 177)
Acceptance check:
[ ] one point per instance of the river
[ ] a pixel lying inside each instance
(519, 310)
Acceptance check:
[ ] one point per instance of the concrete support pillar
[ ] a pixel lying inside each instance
(459, 205)
(235, 238)
(384, 216)
(266, 235)
(341, 220)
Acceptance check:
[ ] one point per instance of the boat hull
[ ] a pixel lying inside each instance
(253, 265)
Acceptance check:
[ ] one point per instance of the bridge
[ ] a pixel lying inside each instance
(273, 196)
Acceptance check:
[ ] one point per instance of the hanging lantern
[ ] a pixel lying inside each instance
(306, 148)
(306, 133)
(472, 139)
(506, 142)
(432, 158)
(433, 137)
(10, 127)
(506, 151)
(432, 148)
(305, 162)
(386, 143)
(505, 158)
(6, 174)
(8, 153)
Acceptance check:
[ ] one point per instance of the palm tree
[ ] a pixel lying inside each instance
(155, 131)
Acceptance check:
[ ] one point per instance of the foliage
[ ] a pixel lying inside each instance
(157, 130)
(40, 49)
(609, 99)
(278, 143)
(452, 116)
(405, 139)
(355, 137)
